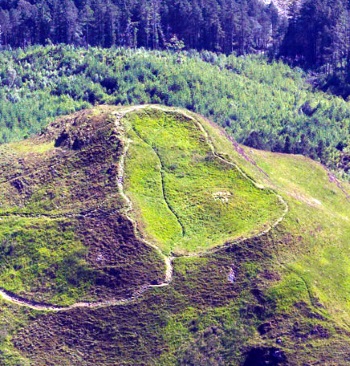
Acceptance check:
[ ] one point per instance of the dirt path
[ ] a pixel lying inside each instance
(168, 275)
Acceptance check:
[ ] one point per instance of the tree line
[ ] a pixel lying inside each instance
(315, 33)
(318, 38)
(227, 26)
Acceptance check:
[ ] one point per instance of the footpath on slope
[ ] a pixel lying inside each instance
(18, 300)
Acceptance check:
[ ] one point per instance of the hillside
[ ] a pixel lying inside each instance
(146, 236)
(266, 106)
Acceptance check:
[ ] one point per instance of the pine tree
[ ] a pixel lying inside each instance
(86, 17)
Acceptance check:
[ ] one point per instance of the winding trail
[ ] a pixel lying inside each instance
(168, 260)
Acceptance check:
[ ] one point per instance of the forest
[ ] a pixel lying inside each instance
(223, 26)
(193, 54)
(312, 33)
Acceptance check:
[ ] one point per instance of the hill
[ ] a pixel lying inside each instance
(266, 106)
(146, 236)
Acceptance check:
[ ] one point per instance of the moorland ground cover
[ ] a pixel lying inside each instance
(281, 294)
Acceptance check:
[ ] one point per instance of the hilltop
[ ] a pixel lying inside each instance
(146, 236)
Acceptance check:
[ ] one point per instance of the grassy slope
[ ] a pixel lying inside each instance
(38, 255)
(189, 200)
(313, 241)
(320, 229)
(289, 290)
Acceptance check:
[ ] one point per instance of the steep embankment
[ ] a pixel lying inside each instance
(243, 253)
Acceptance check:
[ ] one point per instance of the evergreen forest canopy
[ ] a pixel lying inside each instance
(242, 26)
(266, 106)
(308, 33)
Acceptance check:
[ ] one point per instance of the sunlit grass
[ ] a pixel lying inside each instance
(187, 199)
(39, 254)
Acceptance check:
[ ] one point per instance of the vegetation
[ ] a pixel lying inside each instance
(38, 255)
(312, 34)
(264, 106)
(172, 173)
(226, 25)
(310, 243)
(278, 298)
(54, 190)
(318, 38)
(321, 233)
(278, 295)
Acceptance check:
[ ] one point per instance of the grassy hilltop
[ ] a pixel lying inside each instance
(173, 174)
(181, 246)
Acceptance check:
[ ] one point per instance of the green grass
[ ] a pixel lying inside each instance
(43, 256)
(319, 222)
(207, 336)
(186, 198)
(312, 243)
(24, 147)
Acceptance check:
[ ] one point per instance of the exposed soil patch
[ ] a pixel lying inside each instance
(222, 196)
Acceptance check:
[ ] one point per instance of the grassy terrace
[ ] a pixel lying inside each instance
(185, 198)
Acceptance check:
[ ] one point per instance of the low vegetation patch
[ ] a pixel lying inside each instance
(175, 179)
(43, 257)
